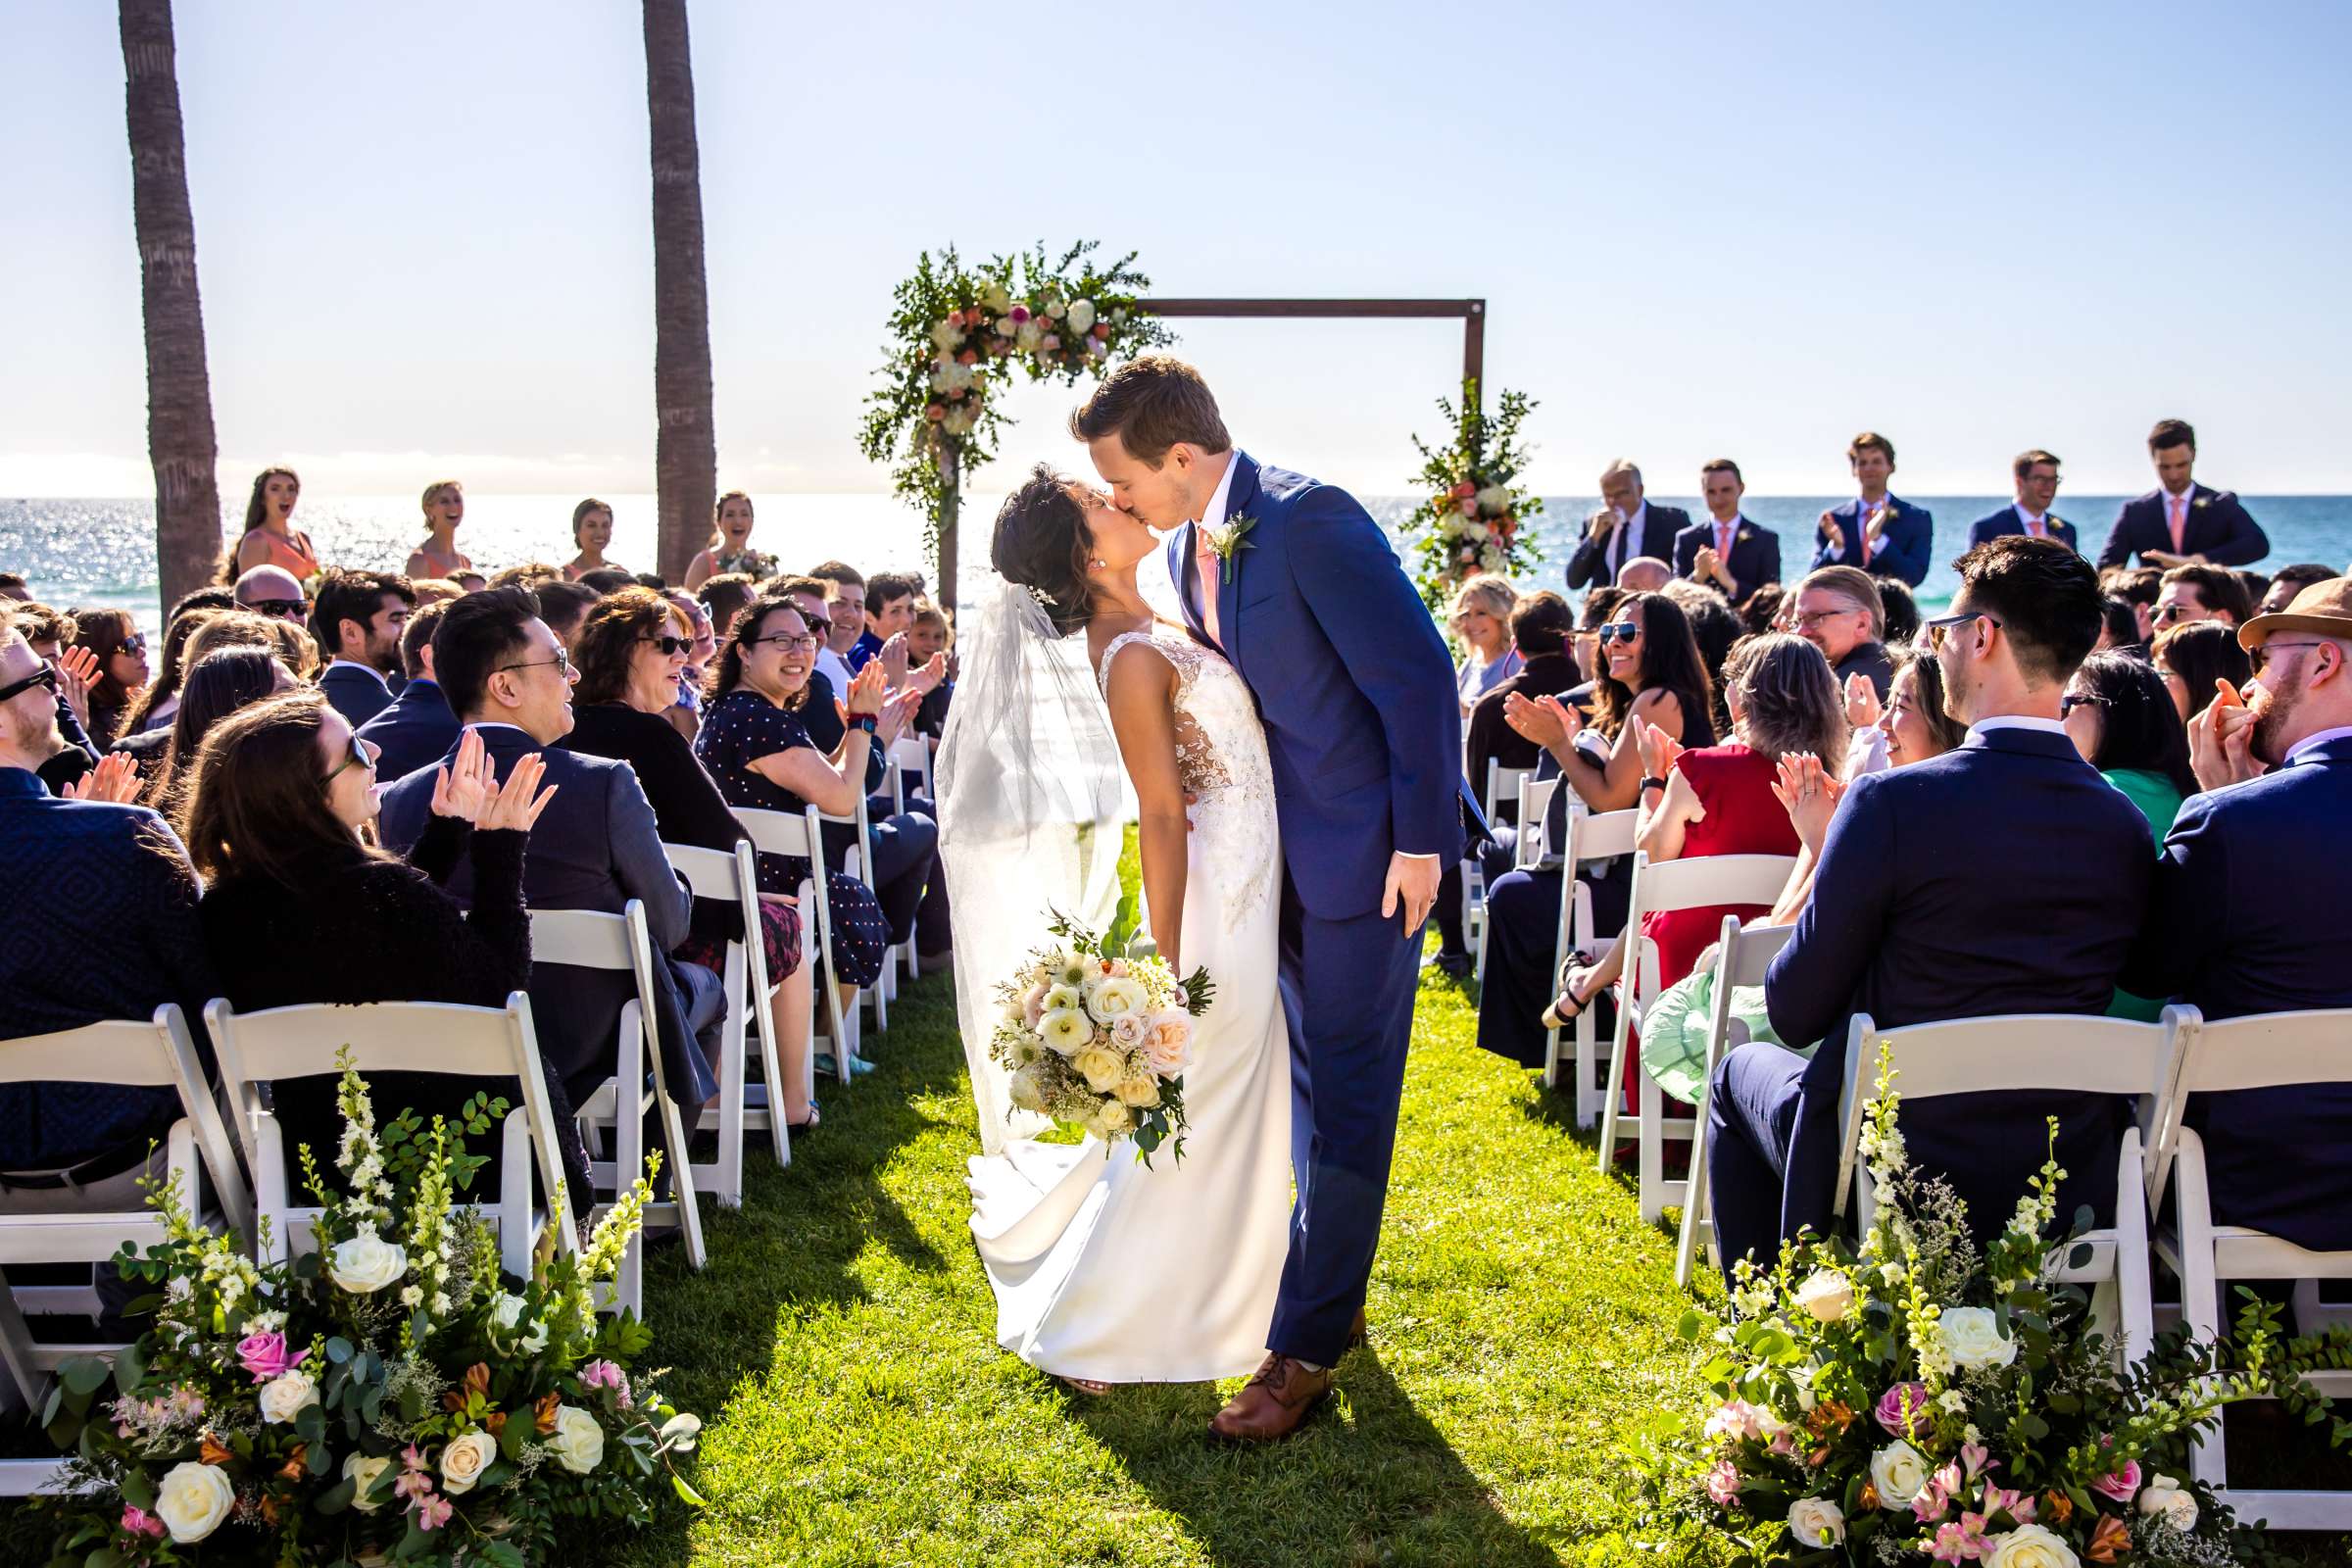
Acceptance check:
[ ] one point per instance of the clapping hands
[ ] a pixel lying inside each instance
(892, 660)
(1546, 720)
(869, 690)
(924, 681)
(1660, 749)
(77, 673)
(115, 780)
(468, 789)
(1810, 794)
(1862, 708)
(1832, 533)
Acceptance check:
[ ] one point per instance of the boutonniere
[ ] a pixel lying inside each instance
(1743, 536)
(1228, 538)
(1889, 510)
(2202, 501)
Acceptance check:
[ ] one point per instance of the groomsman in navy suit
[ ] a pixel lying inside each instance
(1727, 551)
(1877, 532)
(2180, 521)
(1626, 528)
(2003, 877)
(2036, 473)
(2249, 913)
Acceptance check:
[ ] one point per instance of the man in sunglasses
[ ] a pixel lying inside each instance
(2005, 876)
(2198, 592)
(272, 591)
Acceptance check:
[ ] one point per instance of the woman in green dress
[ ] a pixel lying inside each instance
(2124, 722)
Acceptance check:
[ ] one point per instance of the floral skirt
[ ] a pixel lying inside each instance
(779, 934)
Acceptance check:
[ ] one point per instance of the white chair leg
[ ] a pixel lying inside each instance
(1614, 1096)
(1695, 1195)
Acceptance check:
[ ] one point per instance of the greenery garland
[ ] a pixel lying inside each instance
(1475, 516)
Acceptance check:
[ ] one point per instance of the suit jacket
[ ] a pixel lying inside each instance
(356, 692)
(1755, 553)
(2249, 916)
(1363, 727)
(416, 730)
(595, 847)
(2003, 877)
(1589, 565)
(2006, 521)
(2218, 529)
(1905, 541)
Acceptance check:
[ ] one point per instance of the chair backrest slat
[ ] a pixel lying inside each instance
(441, 1037)
(2272, 1050)
(2058, 1053)
(779, 832)
(1598, 834)
(1534, 802)
(114, 1051)
(588, 938)
(1711, 879)
(1752, 951)
(711, 873)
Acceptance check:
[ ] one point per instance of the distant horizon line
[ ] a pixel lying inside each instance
(1372, 495)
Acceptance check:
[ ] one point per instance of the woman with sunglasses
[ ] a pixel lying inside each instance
(629, 652)
(1651, 671)
(120, 650)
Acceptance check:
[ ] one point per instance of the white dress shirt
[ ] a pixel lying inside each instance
(2047, 727)
(1625, 546)
(2035, 522)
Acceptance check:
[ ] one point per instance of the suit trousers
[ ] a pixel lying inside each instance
(1751, 1122)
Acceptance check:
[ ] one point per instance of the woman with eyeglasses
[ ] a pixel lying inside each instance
(756, 748)
(2193, 659)
(115, 641)
(1482, 618)
(629, 652)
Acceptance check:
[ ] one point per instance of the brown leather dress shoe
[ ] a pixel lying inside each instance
(1278, 1397)
(1357, 1331)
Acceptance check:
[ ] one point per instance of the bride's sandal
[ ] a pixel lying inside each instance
(1086, 1386)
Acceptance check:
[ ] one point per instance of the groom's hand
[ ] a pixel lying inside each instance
(1413, 882)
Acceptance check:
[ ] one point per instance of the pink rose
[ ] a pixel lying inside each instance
(1723, 1485)
(1902, 1410)
(1465, 490)
(139, 1522)
(602, 1373)
(1170, 1045)
(264, 1356)
(2121, 1485)
(1053, 341)
(1469, 509)
(936, 411)
(1020, 314)
(968, 357)
(1102, 330)
(1131, 1031)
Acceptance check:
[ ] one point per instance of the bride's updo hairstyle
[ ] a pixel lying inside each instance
(1041, 543)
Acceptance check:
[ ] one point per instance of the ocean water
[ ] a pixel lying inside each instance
(102, 552)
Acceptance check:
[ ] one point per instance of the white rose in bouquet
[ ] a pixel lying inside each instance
(1900, 1472)
(1065, 998)
(1024, 1090)
(1066, 1030)
(1101, 1067)
(1495, 499)
(366, 1263)
(1139, 1090)
(1826, 1294)
(1115, 998)
(464, 1459)
(1110, 1120)
(1081, 314)
(507, 1314)
(192, 1501)
(1131, 1031)
(1972, 1337)
(996, 297)
(578, 1440)
(1816, 1522)
(2164, 1495)
(362, 1471)
(2032, 1547)
(284, 1396)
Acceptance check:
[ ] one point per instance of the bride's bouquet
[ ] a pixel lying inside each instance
(1098, 1034)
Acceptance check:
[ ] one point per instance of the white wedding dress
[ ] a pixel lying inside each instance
(1111, 1270)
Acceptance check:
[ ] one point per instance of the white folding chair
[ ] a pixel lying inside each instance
(735, 879)
(155, 1053)
(1592, 838)
(1527, 851)
(796, 835)
(909, 756)
(2054, 1053)
(435, 1037)
(596, 938)
(857, 862)
(1740, 958)
(2266, 1050)
(1503, 783)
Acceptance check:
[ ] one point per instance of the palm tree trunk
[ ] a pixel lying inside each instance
(685, 446)
(179, 392)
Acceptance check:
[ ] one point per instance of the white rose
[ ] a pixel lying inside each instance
(946, 335)
(361, 1470)
(578, 1441)
(285, 1395)
(1109, 1120)
(1816, 1522)
(1064, 999)
(2163, 1494)
(996, 297)
(507, 1314)
(1115, 998)
(193, 1499)
(1139, 1090)
(1066, 1030)
(1900, 1472)
(959, 420)
(1493, 501)
(2032, 1547)
(366, 1263)
(1102, 1067)
(1081, 314)
(463, 1461)
(1029, 335)
(1023, 1091)
(1131, 1031)
(1972, 1337)
(1826, 1294)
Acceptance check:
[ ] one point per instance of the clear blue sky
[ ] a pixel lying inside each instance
(425, 240)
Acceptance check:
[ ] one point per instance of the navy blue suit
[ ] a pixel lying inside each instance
(2218, 529)
(2006, 521)
(1906, 539)
(2004, 876)
(1754, 560)
(355, 691)
(417, 731)
(1589, 564)
(1362, 727)
(2249, 916)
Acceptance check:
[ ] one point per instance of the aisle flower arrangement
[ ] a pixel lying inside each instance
(389, 1397)
(1911, 1401)
(1475, 516)
(1097, 1033)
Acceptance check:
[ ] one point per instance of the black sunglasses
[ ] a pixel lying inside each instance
(46, 675)
(278, 607)
(2074, 700)
(359, 758)
(1623, 632)
(669, 646)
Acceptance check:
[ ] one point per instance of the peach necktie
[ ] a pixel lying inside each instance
(1204, 553)
(2178, 507)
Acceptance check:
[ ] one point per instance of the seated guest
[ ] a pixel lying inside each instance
(115, 641)
(563, 606)
(610, 579)
(470, 582)
(2004, 877)
(2197, 592)
(1625, 529)
(522, 574)
(13, 587)
(153, 709)
(595, 847)
(299, 908)
(2180, 521)
(1838, 610)
(358, 617)
(274, 592)
(2119, 629)
(225, 680)
(2122, 720)
(103, 927)
(1876, 533)
(845, 614)
(685, 713)
(2285, 583)
(723, 597)
(813, 596)
(889, 607)
(1760, 612)
(2248, 916)
(2196, 660)
(2136, 586)
(932, 635)
(2036, 476)
(1482, 618)
(1596, 613)
(1727, 551)
(1714, 623)
(1903, 610)
(1911, 726)
(1645, 575)
(420, 727)
(434, 591)
(630, 650)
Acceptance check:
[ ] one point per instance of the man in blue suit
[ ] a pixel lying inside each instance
(2180, 521)
(2037, 475)
(1727, 551)
(1626, 528)
(1305, 599)
(2249, 913)
(2004, 876)
(358, 617)
(419, 728)
(1879, 532)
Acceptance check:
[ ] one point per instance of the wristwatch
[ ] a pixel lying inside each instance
(1653, 783)
(866, 723)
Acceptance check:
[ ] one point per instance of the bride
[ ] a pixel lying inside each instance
(1105, 1270)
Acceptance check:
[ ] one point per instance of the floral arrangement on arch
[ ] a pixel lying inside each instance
(1476, 518)
(1098, 1034)
(1909, 1401)
(958, 333)
(388, 1397)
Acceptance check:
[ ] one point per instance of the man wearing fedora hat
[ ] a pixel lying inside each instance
(2248, 914)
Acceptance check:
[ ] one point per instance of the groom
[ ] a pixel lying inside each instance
(1293, 583)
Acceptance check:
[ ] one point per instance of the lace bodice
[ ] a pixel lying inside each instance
(1221, 761)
